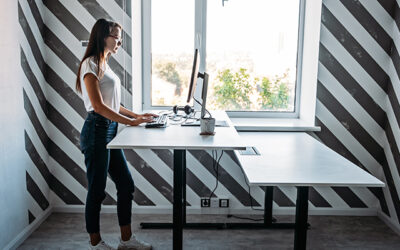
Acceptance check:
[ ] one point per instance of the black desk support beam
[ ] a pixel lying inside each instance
(184, 188)
(177, 217)
(300, 232)
(268, 199)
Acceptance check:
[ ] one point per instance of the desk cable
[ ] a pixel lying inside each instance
(182, 119)
(251, 202)
(201, 105)
(191, 116)
(216, 161)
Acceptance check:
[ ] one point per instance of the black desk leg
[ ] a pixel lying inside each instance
(269, 197)
(184, 189)
(300, 231)
(179, 160)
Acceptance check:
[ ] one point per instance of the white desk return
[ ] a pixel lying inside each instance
(297, 159)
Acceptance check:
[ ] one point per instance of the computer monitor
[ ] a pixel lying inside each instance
(204, 94)
(193, 83)
(193, 77)
(192, 86)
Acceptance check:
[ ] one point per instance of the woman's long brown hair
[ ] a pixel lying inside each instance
(100, 31)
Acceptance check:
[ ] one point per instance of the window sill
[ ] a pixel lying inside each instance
(273, 124)
(262, 124)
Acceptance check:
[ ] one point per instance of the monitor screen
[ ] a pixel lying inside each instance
(204, 96)
(193, 77)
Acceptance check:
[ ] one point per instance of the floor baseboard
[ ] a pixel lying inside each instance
(21, 237)
(389, 222)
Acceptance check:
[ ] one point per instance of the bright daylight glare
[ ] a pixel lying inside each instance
(251, 53)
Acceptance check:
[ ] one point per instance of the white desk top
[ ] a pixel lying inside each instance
(297, 159)
(178, 137)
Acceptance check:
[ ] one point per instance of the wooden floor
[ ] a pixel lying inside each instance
(67, 231)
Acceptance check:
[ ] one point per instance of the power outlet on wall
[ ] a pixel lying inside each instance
(204, 202)
(214, 202)
(224, 202)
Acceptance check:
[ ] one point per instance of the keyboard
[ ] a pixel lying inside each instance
(159, 122)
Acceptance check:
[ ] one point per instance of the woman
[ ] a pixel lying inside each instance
(101, 94)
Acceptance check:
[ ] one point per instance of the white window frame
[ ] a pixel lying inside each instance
(299, 62)
(307, 60)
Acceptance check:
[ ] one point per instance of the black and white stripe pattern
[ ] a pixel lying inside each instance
(357, 100)
(37, 176)
(355, 80)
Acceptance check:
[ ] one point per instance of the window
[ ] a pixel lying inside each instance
(172, 28)
(250, 49)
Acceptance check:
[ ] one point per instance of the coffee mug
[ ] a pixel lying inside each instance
(207, 126)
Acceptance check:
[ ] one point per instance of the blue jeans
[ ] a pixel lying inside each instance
(96, 133)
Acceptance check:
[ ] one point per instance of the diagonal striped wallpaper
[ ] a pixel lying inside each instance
(358, 94)
(357, 109)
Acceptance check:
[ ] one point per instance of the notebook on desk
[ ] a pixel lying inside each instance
(218, 123)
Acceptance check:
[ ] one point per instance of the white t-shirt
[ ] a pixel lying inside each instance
(110, 85)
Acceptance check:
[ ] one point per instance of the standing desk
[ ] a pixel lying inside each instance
(297, 159)
(179, 139)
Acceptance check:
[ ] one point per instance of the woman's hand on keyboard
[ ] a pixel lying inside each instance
(147, 115)
(139, 120)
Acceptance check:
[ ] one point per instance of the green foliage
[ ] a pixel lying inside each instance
(234, 90)
(237, 90)
(274, 95)
(169, 73)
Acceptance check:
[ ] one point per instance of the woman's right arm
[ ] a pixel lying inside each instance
(93, 90)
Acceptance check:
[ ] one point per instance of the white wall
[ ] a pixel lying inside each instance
(13, 160)
(15, 201)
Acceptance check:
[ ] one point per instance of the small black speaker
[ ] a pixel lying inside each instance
(187, 109)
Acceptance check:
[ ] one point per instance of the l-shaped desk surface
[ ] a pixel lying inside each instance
(286, 158)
